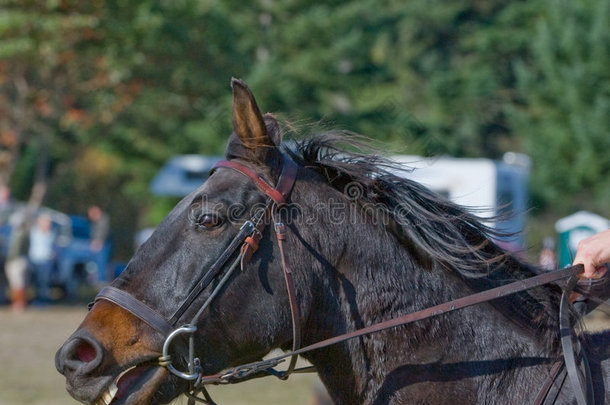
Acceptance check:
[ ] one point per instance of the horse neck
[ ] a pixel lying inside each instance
(364, 276)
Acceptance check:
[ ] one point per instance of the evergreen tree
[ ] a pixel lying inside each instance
(430, 77)
(563, 115)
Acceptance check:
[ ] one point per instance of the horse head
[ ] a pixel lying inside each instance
(366, 245)
(113, 356)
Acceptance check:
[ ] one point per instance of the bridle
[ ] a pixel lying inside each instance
(245, 243)
(239, 253)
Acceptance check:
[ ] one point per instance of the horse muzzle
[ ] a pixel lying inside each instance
(78, 359)
(81, 361)
(118, 365)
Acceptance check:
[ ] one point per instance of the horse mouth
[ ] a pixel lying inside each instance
(132, 386)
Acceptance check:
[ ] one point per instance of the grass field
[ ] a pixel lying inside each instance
(28, 343)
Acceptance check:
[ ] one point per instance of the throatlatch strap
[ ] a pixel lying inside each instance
(280, 232)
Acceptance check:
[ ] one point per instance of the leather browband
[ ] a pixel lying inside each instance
(278, 194)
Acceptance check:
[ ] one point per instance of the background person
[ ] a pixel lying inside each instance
(41, 255)
(100, 224)
(99, 228)
(547, 259)
(5, 214)
(17, 260)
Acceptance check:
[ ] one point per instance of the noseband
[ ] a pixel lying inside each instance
(246, 243)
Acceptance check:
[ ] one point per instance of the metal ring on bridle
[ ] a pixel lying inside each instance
(166, 358)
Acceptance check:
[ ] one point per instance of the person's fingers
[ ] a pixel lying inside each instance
(599, 272)
(583, 257)
(593, 252)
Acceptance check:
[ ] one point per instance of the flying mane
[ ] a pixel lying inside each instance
(439, 233)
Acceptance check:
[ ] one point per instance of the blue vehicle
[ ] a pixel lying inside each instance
(182, 174)
(77, 262)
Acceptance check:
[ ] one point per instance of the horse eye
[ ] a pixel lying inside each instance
(209, 221)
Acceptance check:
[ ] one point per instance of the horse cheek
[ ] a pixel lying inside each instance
(121, 334)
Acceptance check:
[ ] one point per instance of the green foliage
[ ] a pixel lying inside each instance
(114, 88)
(563, 115)
(429, 77)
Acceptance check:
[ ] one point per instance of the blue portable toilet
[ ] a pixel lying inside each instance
(574, 228)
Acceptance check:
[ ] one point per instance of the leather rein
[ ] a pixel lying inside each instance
(246, 242)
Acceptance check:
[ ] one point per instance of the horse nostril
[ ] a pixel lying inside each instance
(80, 355)
(85, 352)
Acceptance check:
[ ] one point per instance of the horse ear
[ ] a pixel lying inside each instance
(249, 125)
(273, 129)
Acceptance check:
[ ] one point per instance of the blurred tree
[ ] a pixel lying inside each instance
(563, 110)
(36, 69)
(116, 86)
(108, 90)
(429, 76)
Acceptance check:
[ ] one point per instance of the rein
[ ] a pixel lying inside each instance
(246, 243)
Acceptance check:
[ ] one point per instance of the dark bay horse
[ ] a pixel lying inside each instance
(364, 246)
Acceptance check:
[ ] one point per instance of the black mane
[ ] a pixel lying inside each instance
(440, 233)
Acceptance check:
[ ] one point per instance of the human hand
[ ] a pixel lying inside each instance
(593, 252)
